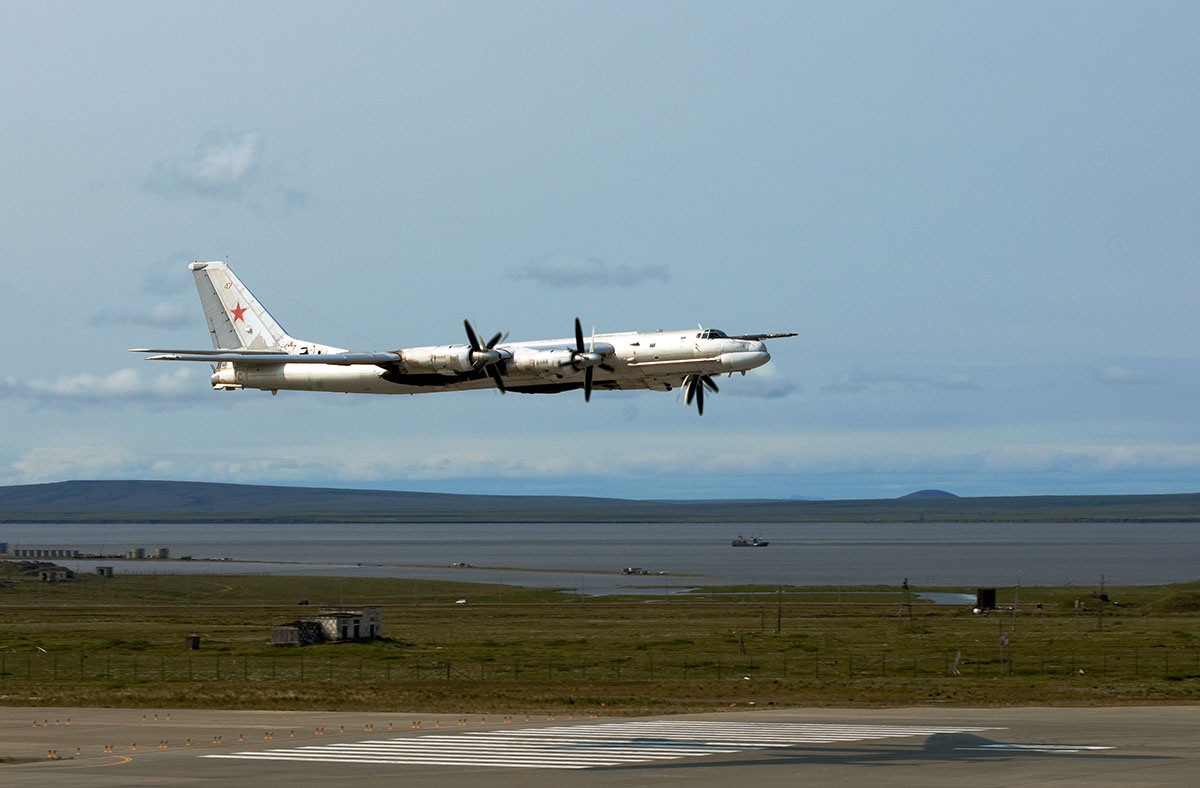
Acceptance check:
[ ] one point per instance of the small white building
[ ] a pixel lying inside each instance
(340, 623)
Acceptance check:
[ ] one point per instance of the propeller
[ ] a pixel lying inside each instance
(587, 360)
(485, 355)
(693, 386)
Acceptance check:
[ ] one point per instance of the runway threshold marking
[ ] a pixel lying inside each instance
(589, 746)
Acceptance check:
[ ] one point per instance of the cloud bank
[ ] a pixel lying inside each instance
(123, 385)
(858, 379)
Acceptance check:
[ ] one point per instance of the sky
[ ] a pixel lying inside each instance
(981, 219)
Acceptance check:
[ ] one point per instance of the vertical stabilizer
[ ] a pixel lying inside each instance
(235, 317)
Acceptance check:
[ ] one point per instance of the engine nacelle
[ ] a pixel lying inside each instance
(442, 359)
(545, 361)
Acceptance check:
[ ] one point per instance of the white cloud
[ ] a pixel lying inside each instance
(123, 385)
(1117, 374)
(164, 314)
(764, 383)
(224, 166)
(565, 271)
(77, 462)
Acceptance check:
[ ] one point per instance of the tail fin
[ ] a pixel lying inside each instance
(236, 320)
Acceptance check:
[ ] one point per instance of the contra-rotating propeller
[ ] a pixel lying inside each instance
(693, 386)
(485, 355)
(587, 360)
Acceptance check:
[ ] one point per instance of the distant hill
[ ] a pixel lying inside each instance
(926, 495)
(200, 502)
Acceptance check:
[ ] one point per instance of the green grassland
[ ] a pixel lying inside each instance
(120, 642)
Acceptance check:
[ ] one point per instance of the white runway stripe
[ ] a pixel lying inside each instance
(589, 746)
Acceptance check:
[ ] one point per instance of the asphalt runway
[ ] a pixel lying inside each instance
(927, 747)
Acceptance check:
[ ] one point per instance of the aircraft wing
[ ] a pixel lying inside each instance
(267, 356)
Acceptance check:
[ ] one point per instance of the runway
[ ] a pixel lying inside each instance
(926, 747)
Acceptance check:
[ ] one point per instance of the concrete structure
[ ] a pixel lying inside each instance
(332, 625)
(338, 624)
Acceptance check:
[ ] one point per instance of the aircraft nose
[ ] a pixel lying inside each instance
(749, 356)
(756, 353)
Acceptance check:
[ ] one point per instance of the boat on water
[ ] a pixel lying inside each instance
(753, 541)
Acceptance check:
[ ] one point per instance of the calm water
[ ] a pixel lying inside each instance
(589, 557)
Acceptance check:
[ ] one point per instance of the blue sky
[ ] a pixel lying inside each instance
(981, 219)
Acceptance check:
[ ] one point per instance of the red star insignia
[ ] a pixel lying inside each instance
(238, 311)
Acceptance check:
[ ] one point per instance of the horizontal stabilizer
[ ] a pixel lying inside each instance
(271, 357)
(208, 352)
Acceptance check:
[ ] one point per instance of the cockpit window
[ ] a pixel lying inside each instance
(712, 333)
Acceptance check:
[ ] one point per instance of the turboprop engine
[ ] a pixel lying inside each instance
(442, 359)
(530, 360)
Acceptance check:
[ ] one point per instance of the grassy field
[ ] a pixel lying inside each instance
(120, 642)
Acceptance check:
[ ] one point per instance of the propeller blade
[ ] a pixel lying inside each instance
(484, 356)
(474, 340)
(693, 389)
(578, 336)
(587, 385)
(495, 373)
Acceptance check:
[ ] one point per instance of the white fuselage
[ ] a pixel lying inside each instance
(633, 360)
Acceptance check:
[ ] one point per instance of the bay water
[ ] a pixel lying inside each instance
(590, 558)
